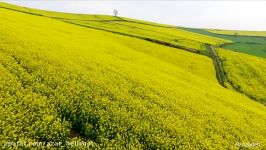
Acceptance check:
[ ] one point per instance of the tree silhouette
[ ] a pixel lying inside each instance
(115, 12)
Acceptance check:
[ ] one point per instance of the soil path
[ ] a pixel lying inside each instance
(217, 63)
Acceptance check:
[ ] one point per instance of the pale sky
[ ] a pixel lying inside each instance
(222, 14)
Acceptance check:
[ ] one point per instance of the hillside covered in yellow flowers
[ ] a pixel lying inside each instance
(96, 79)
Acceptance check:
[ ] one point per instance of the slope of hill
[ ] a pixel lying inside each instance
(60, 80)
(245, 73)
(163, 34)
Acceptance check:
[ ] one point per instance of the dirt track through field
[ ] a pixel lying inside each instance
(217, 64)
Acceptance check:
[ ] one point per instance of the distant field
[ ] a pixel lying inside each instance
(252, 49)
(244, 44)
(241, 33)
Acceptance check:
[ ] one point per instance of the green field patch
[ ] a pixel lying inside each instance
(252, 45)
(248, 48)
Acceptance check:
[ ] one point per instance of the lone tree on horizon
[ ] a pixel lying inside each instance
(115, 12)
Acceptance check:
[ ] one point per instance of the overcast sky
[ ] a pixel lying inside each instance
(223, 14)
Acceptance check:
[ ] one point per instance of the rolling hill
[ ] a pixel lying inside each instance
(163, 34)
(117, 83)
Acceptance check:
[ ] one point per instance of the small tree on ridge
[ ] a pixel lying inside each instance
(115, 12)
